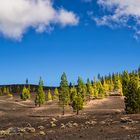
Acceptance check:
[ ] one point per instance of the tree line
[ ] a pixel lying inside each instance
(125, 84)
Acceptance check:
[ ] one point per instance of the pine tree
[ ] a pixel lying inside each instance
(81, 89)
(106, 87)
(118, 85)
(125, 81)
(56, 94)
(18, 89)
(27, 81)
(101, 90)
(111, 85)
(64, 92)
(40, 95)
(5, 90)
(10, 89)
(132, 96)
(90, 90)
(95, 88)
(29, 88)
(139, 72)
(138, 99)
(49, 97)
(73, 93)
(0, 91)
(25, 94)
(77, 103)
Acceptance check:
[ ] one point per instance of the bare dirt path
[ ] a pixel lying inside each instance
(110, 104)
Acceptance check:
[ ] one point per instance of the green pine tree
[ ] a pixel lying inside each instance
(95, 88)
(139, 72)
(77, 103)
(18, 89)
(132, 96)
(118, 85)
(7, 91)
(27, 81)
(0, 91)
(56, 94)
(64, 92)
(125, 81)
(106, 87)
(4, 90)
(40, 95)
(111, 85)
(73, 93)
(90, 90)
(49, 97)
(81, 89)
(101, 90)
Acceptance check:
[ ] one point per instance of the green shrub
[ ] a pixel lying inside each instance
(25, 94)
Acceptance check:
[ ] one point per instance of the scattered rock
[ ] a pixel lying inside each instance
(42, 133)
(87, 122)
(93, 122)
(30, 129)
(75, 124)
(54, 120)
(53, 124)
(41, 127)
(22, 130)
(90, 122)
(102, 122)
(4, 133)
(69, 124)
(63, 126)
(13, 131)
(126, 120)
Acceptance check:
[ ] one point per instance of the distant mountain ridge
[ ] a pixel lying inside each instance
(17, 88)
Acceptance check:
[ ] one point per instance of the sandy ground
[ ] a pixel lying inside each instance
(102, 119)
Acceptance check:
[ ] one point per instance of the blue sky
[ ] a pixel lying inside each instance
(92, 39)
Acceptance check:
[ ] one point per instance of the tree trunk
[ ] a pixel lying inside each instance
(77, 111)
(63, 113)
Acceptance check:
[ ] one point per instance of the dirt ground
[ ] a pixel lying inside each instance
(102, 119)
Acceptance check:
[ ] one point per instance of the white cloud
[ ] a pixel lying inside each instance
(16, 16)
(120, 13)
(67, 18)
